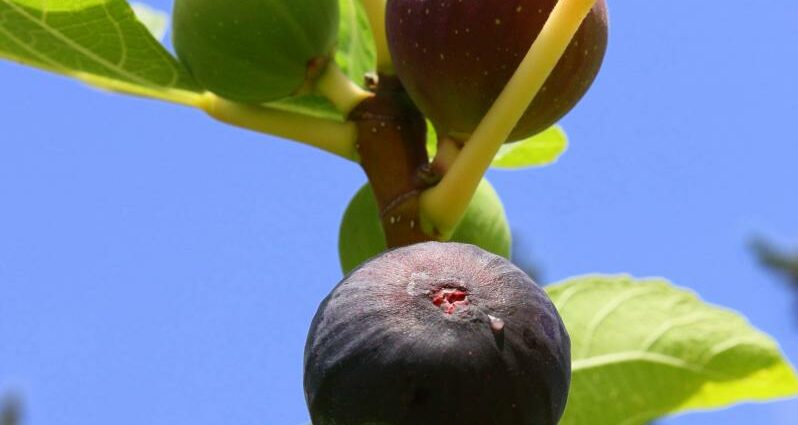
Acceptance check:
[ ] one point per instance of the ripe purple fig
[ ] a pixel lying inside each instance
(436, 334)
(454, 57)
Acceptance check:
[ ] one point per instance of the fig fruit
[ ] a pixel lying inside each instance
(435, 334)
(255, 51)
(455, 57)
(361, 235)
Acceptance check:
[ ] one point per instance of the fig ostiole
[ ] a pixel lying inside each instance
(361, 235)
(437, 333)
(255, 51)
(455, 57)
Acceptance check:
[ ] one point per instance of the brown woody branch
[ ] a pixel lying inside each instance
(391, 144)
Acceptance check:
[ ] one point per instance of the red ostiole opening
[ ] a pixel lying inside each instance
(449, 299)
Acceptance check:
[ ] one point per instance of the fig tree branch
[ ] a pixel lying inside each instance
(340, 90)
(443, 205)
(375, 9)
(332, 136)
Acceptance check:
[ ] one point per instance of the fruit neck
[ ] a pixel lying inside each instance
(391, 143)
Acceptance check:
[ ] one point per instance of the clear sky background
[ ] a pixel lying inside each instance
(159, 268)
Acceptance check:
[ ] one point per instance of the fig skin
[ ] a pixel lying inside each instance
(361, 235)
(381, 350)
(255, 51)
(455, 57)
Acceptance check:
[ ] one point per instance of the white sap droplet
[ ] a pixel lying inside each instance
(496, 324)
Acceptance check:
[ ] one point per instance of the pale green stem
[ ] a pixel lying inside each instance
(375, 9)
(448, 151)
(340, 90)
(332, 136)
(443, 205)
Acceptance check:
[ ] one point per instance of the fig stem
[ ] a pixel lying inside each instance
(443, 205)
(340, 90)
(448, 150)
(375, 10)
(335, 137)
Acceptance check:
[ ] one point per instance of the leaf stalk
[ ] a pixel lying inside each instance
(336, 137)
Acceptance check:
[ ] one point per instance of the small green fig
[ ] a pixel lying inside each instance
(361, 236)
(455, 57)
(255, 51)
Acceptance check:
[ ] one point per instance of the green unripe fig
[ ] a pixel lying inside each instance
(455, 57)
(361, 236)
(255, 51)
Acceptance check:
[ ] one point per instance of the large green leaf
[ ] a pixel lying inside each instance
(356, 53)
(645, 349)
(537, 151)
(98, 41)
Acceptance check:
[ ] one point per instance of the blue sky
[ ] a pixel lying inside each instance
(157, 267)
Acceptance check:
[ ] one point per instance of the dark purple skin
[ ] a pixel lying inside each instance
(454, 57)
(437, 334)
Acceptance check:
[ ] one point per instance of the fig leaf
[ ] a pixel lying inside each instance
(356, 53)
(542, 149)
(643, 349)
(539, 150)
(100, 42)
